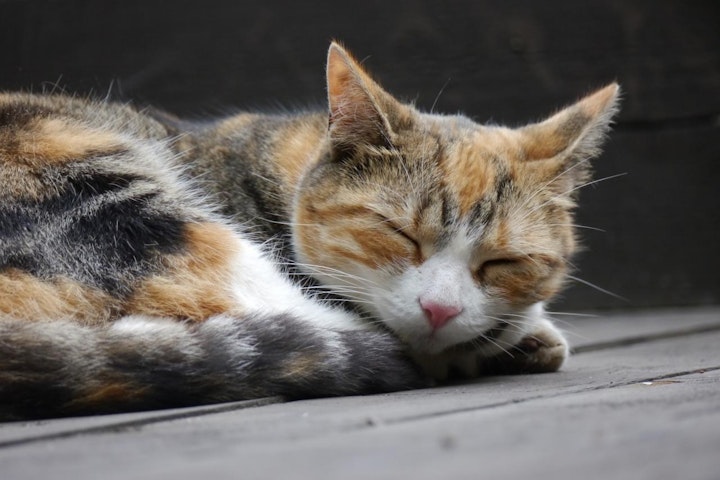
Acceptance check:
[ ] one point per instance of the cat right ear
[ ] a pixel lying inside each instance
(358, 107)
(576, 132)
(561, 145)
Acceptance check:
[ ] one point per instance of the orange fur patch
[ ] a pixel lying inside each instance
(235, 124)
(26, 297)
(379, 249)
(196, 284)
(108, 394)
(534, 279)
(470, 169)
(55, 141)
(501, 239)
(300, 365)
(297, 148)
(473, 178)
(337, 234)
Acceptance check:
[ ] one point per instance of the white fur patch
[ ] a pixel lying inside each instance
(261, 288)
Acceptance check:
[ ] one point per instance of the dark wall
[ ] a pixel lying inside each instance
(501, 61)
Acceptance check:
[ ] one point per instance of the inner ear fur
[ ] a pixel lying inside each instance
(559, 148)
(576, 132)
(360, 111)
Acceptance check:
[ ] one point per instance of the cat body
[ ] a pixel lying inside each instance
(146, 262)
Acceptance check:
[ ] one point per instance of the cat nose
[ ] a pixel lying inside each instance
(438, 314)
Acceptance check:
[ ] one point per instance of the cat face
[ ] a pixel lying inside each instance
(435, 225)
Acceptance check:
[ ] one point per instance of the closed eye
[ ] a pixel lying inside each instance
(500, 262)
(497, 264)
(399, 230)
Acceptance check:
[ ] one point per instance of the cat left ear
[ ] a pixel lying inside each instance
(358, 106)
(576, 133)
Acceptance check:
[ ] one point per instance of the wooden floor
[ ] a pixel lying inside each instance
(639, 399)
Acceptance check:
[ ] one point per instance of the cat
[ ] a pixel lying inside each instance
(149, 262)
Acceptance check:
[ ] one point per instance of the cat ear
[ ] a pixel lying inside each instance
(358, 106)
(574, 134)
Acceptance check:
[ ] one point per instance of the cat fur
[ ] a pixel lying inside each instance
(147, 262)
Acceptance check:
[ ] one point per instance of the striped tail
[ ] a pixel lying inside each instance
(50, 369)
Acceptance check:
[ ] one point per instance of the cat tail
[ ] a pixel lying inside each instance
(50, 369)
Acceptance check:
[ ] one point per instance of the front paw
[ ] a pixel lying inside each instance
(542, 349)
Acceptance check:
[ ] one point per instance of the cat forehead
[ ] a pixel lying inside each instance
(464, 140)
(476, 160)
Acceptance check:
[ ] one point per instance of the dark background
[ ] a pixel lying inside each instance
(503, 61)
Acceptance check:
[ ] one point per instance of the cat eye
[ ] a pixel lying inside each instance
(500, 262)
(496, 263)
(399, 230)
(404, 234)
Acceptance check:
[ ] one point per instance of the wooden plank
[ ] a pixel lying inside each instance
(307, 436)
(15, 433)
(603, 329)
(667, 431)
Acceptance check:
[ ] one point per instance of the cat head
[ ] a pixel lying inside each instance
(438, 226)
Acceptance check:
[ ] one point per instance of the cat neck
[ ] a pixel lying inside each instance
(252, 164)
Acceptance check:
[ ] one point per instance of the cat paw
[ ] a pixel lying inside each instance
(543, 349)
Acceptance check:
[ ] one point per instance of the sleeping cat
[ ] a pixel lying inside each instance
(146, 262)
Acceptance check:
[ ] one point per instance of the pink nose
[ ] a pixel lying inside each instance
(438, 314)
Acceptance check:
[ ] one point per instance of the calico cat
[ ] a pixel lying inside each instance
(146, 262)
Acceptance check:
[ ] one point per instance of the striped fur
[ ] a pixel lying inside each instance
(146, 262)
(145, 363)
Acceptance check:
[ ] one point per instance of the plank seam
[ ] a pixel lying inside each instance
(139, 423)
(649, 337)
(608, 386)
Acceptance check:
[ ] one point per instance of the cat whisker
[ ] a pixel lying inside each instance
(339, 289)
(392, 195)
(288, 224)
(573, 314)
(353, 301)
(593, 182)
(325, 269)
(574, 225)
(392, 222)
(566, 192)
(495, 342)
(437, 97)
(513, 347)
(269, 180)
(544, 186)
(347, 291)
(596, 287)
(339, 275)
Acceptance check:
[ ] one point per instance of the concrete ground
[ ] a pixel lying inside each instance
(640, 399)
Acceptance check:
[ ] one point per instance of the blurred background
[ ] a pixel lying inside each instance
(655, 231)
